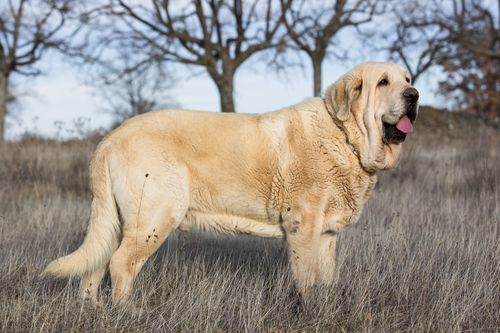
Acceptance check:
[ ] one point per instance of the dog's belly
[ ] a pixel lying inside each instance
(231, 224)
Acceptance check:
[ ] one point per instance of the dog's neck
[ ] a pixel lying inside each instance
(353, 146)
(351, 137)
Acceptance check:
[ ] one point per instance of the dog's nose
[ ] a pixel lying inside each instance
(411, 94)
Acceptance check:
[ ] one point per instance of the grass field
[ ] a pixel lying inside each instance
(425, 255)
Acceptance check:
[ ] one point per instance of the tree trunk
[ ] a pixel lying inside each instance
(225, 87)
(3, 105)
(317, 63)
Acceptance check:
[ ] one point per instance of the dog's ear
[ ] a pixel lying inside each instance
(340, 95)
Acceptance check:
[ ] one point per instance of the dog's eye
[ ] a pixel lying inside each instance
(407, 79)
(383, 82)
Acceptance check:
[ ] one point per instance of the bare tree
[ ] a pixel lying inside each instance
(460, 37)
(130, 93)
(218, 36)
(130, 97)
(471, 61)
(27, 30)
(313, 25)
(416, 46)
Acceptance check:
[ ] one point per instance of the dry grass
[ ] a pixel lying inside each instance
(425, 255)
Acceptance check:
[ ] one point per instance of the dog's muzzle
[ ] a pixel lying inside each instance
(396, 133)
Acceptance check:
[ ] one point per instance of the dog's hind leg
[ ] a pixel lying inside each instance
(90, 284)
(138, 243)
(162, 206)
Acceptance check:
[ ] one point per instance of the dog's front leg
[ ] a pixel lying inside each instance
(326, 258)
(303, 234)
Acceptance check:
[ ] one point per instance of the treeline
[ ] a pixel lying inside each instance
(128, 48)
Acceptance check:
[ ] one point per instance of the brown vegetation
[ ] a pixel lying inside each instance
(424, 256)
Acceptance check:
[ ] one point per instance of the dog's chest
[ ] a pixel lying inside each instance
(346, 200)
(339, 192)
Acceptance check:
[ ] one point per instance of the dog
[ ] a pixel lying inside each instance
(302, 173)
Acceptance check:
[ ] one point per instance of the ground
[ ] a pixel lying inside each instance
(425, 255)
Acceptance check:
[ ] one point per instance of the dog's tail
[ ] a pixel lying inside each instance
(103, 231)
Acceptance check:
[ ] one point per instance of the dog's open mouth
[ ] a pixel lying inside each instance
(396, 133)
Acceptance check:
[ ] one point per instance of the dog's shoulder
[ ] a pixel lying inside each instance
(311, 105)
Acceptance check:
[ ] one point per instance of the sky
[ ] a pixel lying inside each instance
(51, 105)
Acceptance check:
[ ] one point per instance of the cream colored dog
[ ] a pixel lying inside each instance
(303, 173)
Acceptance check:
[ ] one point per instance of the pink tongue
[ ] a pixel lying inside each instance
(404, 125)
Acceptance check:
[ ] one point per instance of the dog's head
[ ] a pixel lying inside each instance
(377, 107)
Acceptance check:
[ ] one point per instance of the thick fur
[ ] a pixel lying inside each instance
(103, 232)
(303, 172)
